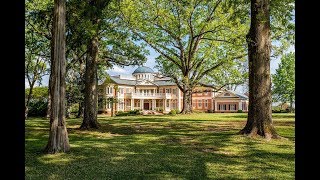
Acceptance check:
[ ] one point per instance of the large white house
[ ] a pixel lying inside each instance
(148, 90)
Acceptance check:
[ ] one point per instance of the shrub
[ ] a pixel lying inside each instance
(135, 112)
(239, 111)
(159, 109)
(173, 112)
(74, 108)
(37, 108)
(121, 113)
(209, 111)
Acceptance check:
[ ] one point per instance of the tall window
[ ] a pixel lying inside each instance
(174, 91)
(206, 103)
(222, 106)
(200, 103)
(109, 105)
(168, 101)
(194, 103)
(168, 90)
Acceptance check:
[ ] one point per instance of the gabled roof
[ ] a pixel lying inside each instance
(117, 80)
(235, 94)
(239, 94)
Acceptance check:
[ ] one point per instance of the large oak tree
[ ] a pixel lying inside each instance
(193, 37)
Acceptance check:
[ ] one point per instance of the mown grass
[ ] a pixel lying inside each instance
(197, 146)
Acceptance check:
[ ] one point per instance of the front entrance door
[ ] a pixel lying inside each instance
(146, 106)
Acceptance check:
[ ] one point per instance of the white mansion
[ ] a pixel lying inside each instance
(147, 90)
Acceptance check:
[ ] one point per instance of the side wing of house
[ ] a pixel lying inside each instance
(229, 101)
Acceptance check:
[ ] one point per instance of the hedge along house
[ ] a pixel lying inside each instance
(147, 90)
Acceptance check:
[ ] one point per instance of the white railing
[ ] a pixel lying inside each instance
(147, 95)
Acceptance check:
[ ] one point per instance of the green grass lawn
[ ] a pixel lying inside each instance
(197, 146)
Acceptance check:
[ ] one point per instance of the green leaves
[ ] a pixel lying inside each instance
(284, 80)
(192, 37)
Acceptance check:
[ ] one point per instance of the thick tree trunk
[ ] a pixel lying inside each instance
(58, 135)
(259, 44)
(187, 106)
(91, 81)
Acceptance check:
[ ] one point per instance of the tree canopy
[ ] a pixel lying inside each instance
(283, 80)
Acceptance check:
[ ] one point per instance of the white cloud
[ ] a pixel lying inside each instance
(116, 70)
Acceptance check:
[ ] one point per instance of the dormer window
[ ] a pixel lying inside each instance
(227, 94)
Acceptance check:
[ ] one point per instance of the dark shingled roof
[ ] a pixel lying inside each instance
(143, 69)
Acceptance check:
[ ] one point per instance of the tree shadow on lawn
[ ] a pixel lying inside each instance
(129, 155)
(161, 149)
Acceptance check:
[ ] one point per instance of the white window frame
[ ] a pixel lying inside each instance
(206, 103)
(200, 103)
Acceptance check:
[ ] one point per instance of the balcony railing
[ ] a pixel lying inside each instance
(147, 95)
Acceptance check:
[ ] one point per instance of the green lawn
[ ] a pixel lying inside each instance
(197, 146)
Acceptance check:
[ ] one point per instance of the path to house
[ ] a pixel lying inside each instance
(197, 146)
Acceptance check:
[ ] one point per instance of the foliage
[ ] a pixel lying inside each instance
(38, 108)
(38, 103)
(37, 39)
(284, 79)
(239, 111)
(159, 109)
(173, 112)
(193, 38)
(39, 93)
(196, 146)
(135, 112)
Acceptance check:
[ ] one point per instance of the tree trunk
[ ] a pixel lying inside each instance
(187, 107)
(259, 44)
(91, 81)
(80, 110)
(291, 106)
(49, 103)
(58, 135)
(112, 113)
(28, 100)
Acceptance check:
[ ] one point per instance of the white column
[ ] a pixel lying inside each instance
(215, 105)
(164, 104)
(240, 105)
(141, 104)
(212, 104)
(132, 104)
(153, 104)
